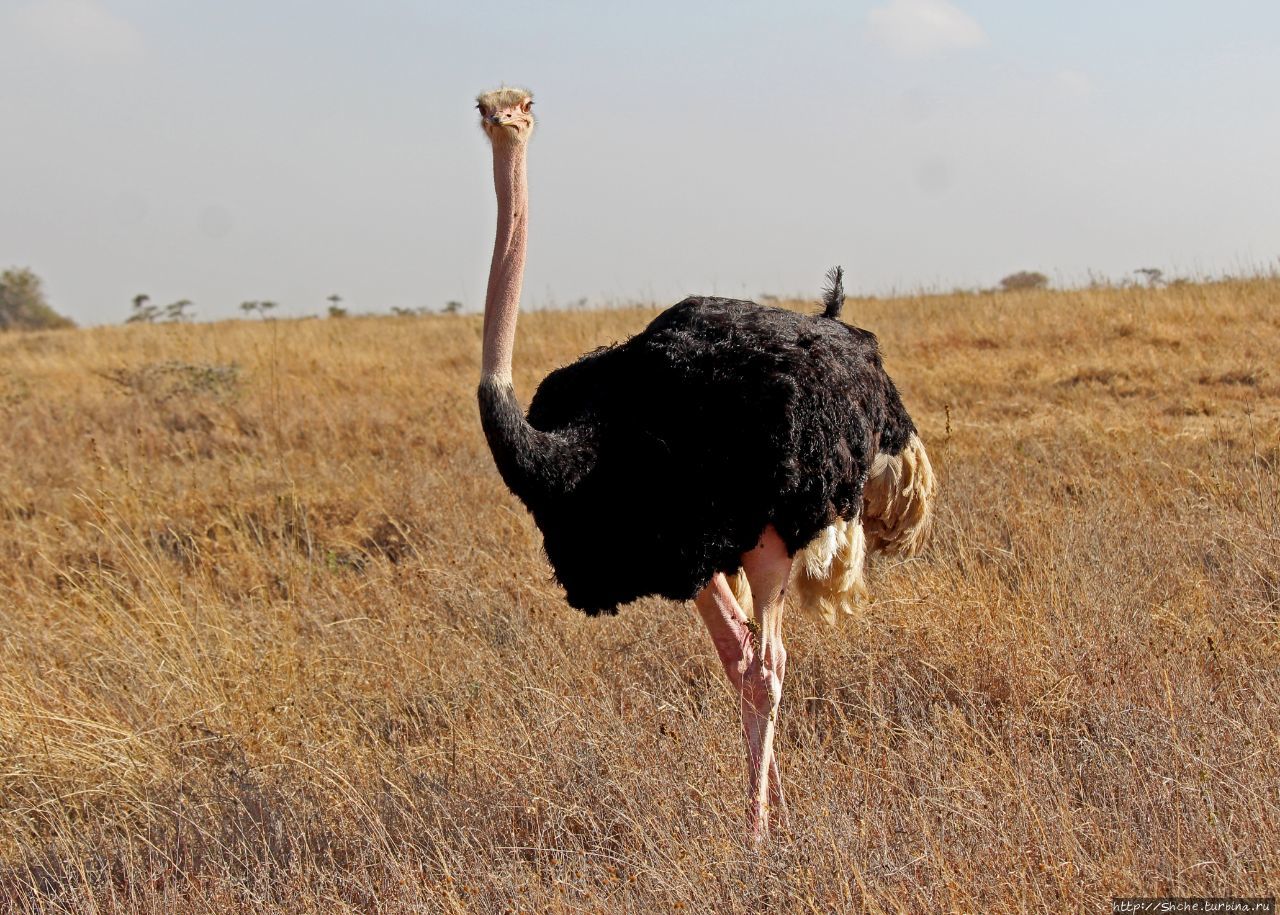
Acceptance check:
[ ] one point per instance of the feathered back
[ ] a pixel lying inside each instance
(833, 295)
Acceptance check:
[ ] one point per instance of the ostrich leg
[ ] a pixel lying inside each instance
(767, 567)
(754, 660)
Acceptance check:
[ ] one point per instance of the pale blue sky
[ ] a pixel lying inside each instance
(287, 150)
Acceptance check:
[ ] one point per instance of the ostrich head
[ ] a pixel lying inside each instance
(506, 115)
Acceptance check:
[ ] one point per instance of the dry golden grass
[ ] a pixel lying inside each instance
(276, 639)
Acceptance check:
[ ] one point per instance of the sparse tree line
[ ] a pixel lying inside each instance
(23, 305)
(145, 312)
(1032, 279)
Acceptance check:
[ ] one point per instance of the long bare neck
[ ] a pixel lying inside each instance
(538, 466)
(506, 270)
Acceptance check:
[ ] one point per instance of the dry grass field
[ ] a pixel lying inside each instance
(274, 637)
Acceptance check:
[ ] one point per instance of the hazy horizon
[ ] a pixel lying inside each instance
(241, 152)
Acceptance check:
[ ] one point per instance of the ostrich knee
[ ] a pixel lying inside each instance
(728, 627)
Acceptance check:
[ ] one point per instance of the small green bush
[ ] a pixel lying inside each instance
(1024, 279)
(22, 303)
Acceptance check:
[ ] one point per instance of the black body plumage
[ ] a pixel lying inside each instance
(653, 464)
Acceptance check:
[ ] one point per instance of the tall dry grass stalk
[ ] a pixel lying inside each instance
(274, 638)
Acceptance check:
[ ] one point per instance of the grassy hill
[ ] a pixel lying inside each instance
(275, 638)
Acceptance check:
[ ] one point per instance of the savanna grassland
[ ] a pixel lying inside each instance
(274, 637)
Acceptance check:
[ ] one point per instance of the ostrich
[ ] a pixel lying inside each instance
(727, 451)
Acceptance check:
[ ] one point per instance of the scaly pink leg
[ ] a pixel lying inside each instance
(768, 568)
(777, 801)
(754, 660)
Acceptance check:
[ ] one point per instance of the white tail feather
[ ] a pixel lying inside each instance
(827, 579)
(897, 500)
(897, 509)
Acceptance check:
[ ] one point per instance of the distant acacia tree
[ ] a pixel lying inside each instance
(452, 307)
(1154, 275)
(22, 303)
(261, 307)
(177, 311)
(1024, 279)
(144, 312)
